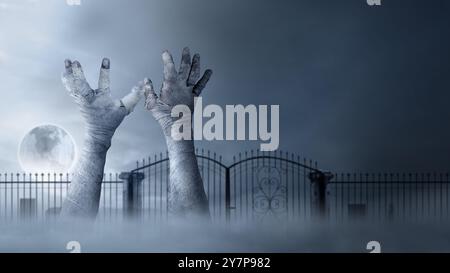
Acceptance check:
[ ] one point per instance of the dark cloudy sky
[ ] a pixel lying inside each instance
(360, 88)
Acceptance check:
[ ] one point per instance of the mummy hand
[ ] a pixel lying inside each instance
(102, 114)
(178, 88)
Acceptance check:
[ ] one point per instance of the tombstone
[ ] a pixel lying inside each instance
(357, 211)
(28, 208)
(52, 212)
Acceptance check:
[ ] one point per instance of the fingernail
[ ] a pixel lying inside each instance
(67, 63)
(106, 63)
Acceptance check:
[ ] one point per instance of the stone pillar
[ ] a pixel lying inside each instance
(319, 182)
(132, 194)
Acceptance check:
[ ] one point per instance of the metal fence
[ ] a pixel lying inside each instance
(389, 197)
(253, 187)
(40, 196)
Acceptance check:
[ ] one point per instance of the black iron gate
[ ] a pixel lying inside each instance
(255, 187)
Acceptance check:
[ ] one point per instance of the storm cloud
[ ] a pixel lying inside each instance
(359, 87)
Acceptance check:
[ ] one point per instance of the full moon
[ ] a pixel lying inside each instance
(47, 149)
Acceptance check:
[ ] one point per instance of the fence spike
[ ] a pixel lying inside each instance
(339, 176)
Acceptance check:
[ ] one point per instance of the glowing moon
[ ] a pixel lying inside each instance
(47, 149)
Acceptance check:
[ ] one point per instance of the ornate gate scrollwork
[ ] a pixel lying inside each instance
(269, 199)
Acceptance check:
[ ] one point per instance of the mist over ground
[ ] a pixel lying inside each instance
(188, 237)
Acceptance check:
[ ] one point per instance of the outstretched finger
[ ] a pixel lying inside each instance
(201, 84)
(80, 87)
(185, 66)
(78, 71)
(68, 66)
(67, 76)
(170, 73)
(149, 94)
(194, 74)
(104, 79)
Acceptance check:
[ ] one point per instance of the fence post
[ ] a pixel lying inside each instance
(319, 181)
(227, 195)
(132, 193)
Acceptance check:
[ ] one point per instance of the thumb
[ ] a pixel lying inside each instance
(131, 100)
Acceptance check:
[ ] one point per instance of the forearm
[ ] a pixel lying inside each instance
(187, 194)
(102, 116)
(178, 92)
(83, 197)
